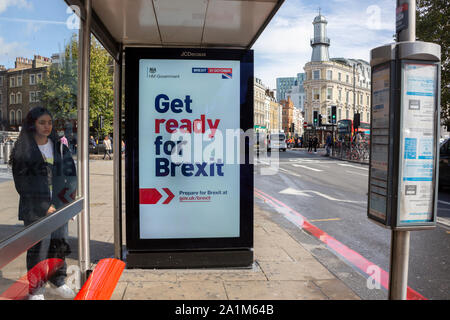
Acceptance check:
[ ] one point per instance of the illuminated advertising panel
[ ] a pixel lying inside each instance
(187, 111)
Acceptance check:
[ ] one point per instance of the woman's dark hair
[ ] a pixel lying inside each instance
(25, 140)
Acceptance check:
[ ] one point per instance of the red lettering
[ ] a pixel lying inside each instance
(171, 125)
(158, 123)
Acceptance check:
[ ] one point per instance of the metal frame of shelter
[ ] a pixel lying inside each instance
(123, 23)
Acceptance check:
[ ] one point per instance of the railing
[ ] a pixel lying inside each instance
(353, 151)
(320, 40)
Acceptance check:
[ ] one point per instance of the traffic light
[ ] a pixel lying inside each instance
(356, 120)
(315, 118)
(293, 127)
(320, 120)
(333, 114)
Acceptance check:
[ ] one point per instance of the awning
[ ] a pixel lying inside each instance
(180, 23)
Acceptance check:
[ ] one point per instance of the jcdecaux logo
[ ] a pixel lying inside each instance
(227, 73)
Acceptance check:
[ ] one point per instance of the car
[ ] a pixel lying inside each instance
(444, 164)
(276, 141)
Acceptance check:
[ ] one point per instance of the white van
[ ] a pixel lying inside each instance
(276, 141)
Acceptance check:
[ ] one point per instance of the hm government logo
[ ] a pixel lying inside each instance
(150, 71)
(193, 54)
(152, 74)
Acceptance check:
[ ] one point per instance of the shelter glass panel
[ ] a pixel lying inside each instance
(38, 143)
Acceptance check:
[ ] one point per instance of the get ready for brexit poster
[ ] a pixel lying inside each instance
(186, 188)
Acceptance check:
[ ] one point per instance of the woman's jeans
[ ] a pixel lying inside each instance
(40, 252)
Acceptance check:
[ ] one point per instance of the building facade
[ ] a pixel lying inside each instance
(291, 86)
(259, 109)
(340, 82)
(275, 115)
(287, 116)
(19, 90)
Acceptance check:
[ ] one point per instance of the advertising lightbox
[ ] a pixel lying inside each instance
(187, 111)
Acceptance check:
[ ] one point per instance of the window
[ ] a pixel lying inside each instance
(12, 98)
(32, 96)
(347, 78)
(19, 81)
(339, 76)
(32, 79)
(316, 74)
(329, 75)
(346, 96)
(316, 94)
(39, 77)
(1, 81)
(339, 115)
(18, 97)
(360, 98)
(368, 116)
(19, 117)
(340, 94)
(12, 117)
(346, 114)
(368, 100)
(12, 82)
(329, 93)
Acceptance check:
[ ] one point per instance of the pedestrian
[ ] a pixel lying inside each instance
(310, 144)
(92, 141)
(123, 147)
(43, 169)
(328, 144)
(315, 143)
(64, 139)
(108, 147)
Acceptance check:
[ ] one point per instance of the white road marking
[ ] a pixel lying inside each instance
(289, 172)
(350, 165)
(304, 193)
(301, 166)
(361, 174)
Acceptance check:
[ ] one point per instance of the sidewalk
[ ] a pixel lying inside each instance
(283, 268)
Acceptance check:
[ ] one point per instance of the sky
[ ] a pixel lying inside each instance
(29, 27)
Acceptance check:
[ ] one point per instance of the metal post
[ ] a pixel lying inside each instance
(408, 34)
(83, 138)
(398, 275)
(118, 158)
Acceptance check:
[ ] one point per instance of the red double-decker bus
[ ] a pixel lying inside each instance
(345, 127)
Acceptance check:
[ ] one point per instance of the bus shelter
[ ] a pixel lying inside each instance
(120, 25)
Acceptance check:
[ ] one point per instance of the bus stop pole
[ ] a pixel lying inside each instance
(117, 157)
(398, 275)
(83, 138)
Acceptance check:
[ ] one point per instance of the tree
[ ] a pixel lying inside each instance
(432, 25)
(60, 87)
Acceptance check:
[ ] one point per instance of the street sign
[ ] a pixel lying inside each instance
(184, 194)
(401, 17)
(404, 142)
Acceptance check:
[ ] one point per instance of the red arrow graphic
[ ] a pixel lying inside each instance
(62, 195)
(170, 195)
(149, 196)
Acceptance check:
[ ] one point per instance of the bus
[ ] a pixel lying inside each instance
(345, 127)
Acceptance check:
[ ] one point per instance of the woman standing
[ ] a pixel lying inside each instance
(108, 147)
(45, 177)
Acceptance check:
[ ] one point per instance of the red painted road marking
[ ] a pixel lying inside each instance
(350, 255)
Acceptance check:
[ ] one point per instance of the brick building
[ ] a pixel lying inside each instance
(287, 115)
(19, 91)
